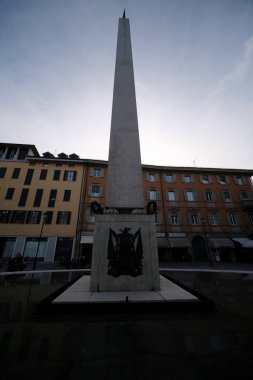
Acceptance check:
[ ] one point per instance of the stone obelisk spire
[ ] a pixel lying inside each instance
(124, 183)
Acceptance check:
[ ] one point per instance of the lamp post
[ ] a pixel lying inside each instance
(207, 246)
(44, 217)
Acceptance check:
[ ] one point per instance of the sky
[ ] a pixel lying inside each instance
(193, 67)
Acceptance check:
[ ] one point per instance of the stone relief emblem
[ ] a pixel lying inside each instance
(125, 253)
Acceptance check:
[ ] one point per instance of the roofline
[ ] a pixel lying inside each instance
(31, 146)
(144, 166)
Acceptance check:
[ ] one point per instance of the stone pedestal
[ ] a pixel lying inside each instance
(106, 235)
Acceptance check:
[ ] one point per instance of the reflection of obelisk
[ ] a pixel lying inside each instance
(124, 183)
(124, 253)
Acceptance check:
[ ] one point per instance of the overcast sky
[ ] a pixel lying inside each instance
(193, 63)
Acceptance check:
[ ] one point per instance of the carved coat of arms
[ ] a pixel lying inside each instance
(125, 253)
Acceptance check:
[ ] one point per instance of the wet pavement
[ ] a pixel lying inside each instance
(172, 345)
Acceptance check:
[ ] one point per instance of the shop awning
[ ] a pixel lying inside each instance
(86, 239)
(244, 242)
(221, 243)
(179, 243)
(163, 243)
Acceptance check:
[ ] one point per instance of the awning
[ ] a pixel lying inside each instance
(245, 242)
(163, 243)
(179, 243)
(221, 243)
(86, 240)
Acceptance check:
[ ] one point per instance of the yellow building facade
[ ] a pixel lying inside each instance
(39, 198)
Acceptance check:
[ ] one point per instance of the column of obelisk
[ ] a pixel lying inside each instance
(124, 253)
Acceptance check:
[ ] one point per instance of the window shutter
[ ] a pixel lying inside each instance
(210, 179)
(89, 190)
(214, 196)
(235, 179)
(177, 195)
(200, 178)
(100, 191)
(227, 179)
(156, 177)
(157, 195)
(192, 178)
(68, 217)
(91, 172)
(102, 172)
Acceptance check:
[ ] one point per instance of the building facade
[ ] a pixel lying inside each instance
(40, 198)
(202, 213)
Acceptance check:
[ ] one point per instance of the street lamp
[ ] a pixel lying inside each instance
(44, 218)
(207, 245)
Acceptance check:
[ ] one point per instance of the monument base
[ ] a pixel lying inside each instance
(124, 256)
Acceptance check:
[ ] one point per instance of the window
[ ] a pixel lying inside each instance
(10, 193)
(16, 172)
(63, 217)
(48, 217)
(174, 218)
(2, 172)
(209, 196)
(232, 218)
(2, 151)
(35, 246)
(97, 172)
(151, 177)
(43, 174)
(11, 153)
(52, 198)
(213, 219)
(18, 217)
(5, 216)
(171, 195)
(33, 217)
(239, 180)
(29, 176)
(226, 196)
(244, 196)
(194, 219)
(190, 196)
(69, 175)
(95, 190)
(23, 197)
(57, 174)
(188, 178)
(67, 194)
(250, 216)
(23, 152)
(222, 179)
(169, 177)
(38, 197)
(205, 179)
(153, 195)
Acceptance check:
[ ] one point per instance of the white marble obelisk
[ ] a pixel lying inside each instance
(124, 256)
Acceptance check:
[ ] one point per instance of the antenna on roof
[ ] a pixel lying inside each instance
(124, 14)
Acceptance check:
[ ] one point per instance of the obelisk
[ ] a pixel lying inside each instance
(124, 184)
(124, 256)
